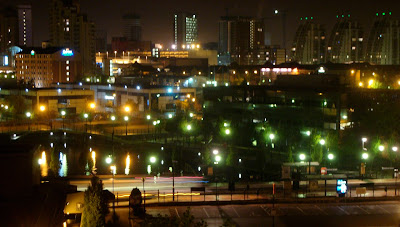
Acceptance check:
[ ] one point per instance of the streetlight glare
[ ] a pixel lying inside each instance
(381, 148)
(92, 105)
(85, 115)
(126, 118)
(365, 156)
(227, 131)
(42, 108)
(271, 136)
(308, 133)
(148, 117)
(322, 142)
(152, 159)
(189, 127)
(215, 151)
(364, 139)
(108, 160)
(127, 109)
(63, 112)
(217, 158)
(330, 156)
(28, 114)
(394, 149)
(302, 157)
(113, 118)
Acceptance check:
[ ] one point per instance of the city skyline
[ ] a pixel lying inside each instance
(158, 16)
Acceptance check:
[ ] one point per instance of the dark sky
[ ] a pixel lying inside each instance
(157, 15)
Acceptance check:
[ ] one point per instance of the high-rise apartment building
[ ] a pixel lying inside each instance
(239, 38)
(383, 46)
(69, 28)
(309, 43)
(8, 28)
(185, 31)
(25, 25)
(345, 43)
(132, 27)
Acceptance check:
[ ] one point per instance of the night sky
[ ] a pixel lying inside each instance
(157, 15)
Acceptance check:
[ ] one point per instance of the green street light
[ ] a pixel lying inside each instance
(302, 157)
(271, 136)
(322, 142)
(189, 127)
(227, 131)
(365, 156)
(381, 148)
(153, 159)
(331, 156)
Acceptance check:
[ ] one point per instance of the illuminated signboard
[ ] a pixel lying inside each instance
(341, 186)
(67, 53)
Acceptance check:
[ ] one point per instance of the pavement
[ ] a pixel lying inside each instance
(362, 214)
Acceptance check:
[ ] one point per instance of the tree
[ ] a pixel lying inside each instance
(95, 208)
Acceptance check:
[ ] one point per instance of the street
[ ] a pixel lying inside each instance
(360, 214)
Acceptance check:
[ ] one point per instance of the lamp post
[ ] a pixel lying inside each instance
(364, 139)
(126, 118)
(29, 115)
(86, 116)
(63, 113)
(272, 137)
(148, 117)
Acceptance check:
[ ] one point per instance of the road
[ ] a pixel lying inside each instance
(362, 214)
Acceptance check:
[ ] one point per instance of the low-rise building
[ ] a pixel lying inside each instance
(41, 67)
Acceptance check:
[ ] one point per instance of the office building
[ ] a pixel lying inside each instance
(132, 27)
(383, 47)
(239, 38)
(345, 43)
(25, 25)
(101, 41)
(69, 28)
(309, 43)
(185, 31)
(42, 67)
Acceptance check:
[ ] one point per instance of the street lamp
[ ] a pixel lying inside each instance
(215, 151)
(126, 118)
(217, 158)
(272, 137)
(322, 142)
(331, 156)
(92, 105)
(394, 149)
(302, 157)
(189, 127)
(113, 118)
(108, 160)
(29, 115)
(63, 116)
(153, 159)
(127, 109)
(308, 133)
(381, 148)
(86, 116)
(364, 156)
(364, 139)
(227, 131)
(148, 117)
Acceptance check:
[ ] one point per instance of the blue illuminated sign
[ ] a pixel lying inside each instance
(341, 186)
(67, 53)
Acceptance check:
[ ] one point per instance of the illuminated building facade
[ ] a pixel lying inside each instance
(185, 31)
(383, 46)
(42, 67)
(309, 43)
(345, 42)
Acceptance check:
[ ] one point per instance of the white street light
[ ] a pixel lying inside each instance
(302, 157)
